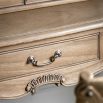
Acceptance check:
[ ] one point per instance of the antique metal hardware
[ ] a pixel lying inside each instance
(34, 62)
(56, 79)
(89, 89)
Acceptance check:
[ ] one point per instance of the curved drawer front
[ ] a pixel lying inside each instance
(17, 87)
(12, 3)
(74, 51)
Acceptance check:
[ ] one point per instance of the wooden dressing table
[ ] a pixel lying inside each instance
(48, 41)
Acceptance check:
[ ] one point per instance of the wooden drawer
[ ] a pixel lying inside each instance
(74, 51)
(67, 29)
(9, 3)
(79, 52)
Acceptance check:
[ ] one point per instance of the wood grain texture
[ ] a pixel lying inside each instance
(8, 6)
(28, 41)
(74, 50)
(56, 21)
(15, 88)
(81, 51)
(76, 29)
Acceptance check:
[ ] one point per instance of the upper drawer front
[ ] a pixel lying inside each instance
(9, 3)
(74, 50)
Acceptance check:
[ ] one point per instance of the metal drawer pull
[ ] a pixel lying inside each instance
(34, 62)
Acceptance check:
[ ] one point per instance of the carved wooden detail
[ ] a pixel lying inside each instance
(42, 80)
(73, 30)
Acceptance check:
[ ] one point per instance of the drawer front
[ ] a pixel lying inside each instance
(11, 89)
(9, 3)
(74, 51)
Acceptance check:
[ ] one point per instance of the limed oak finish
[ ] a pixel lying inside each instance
(50, 43)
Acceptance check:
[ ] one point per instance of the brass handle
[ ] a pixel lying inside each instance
(34, 62)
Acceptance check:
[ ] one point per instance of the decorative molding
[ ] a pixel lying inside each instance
(42, 80)
(76, 39)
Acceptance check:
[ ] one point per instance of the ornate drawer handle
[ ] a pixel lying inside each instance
(56, 79)
(34, 62)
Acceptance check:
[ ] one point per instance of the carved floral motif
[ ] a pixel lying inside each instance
(45, 79)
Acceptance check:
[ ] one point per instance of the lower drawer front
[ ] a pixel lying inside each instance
(74, 51)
